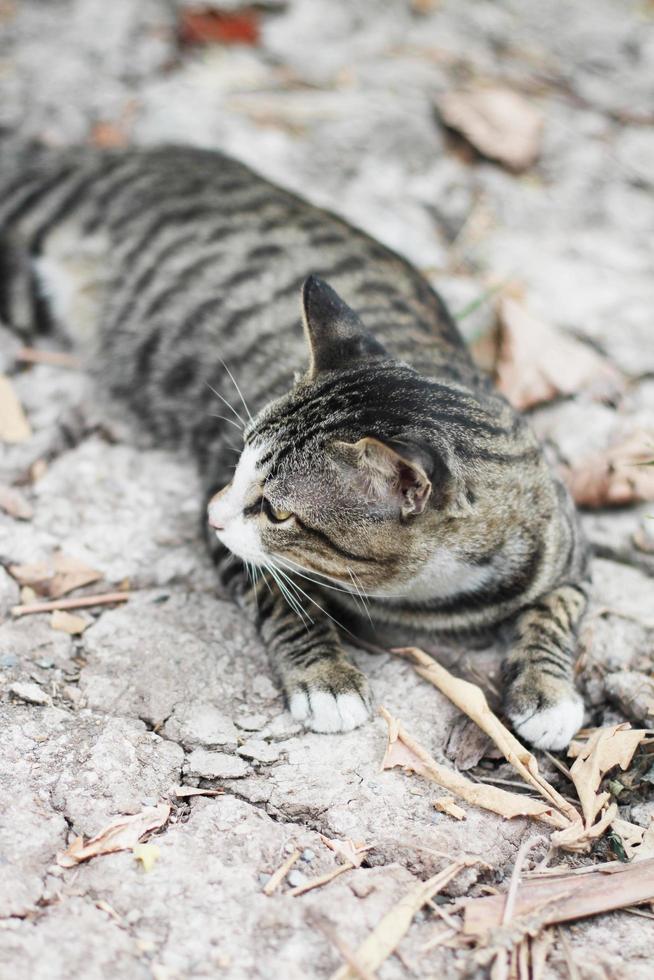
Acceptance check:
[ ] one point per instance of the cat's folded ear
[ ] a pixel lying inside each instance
(387, 476)
(336, 336)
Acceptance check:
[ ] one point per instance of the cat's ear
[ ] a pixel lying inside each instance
(387, 475)
(336, 336)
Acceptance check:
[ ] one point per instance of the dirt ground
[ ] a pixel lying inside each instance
(336, 100)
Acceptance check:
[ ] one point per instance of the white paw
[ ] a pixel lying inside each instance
(553, 727)
(325, 712)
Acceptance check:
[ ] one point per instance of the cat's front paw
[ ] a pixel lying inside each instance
(544, 711)
(335, 697)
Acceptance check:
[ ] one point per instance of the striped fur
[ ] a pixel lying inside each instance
(380, 468)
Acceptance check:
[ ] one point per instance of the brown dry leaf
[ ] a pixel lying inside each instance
(500, 123)
(68, 623)
(405, 752)
(620, 475)
(536, 362)
(14, 426)
(447, 805)
(209, 25)
(605, 749)
(122, 834)
(353, 852)
(637, 841)
(15, 504)
(471, 700)
(56, 576)
(601, 890)
(182, 792)
(386, 936)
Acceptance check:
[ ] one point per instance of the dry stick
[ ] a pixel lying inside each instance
(322, 880)
(501, 965)
(278, 876)
(82, 602)
(32, 355)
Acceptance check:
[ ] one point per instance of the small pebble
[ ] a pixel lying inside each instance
(289, 848)
(45, 664)
(9, 660)
(29, 692)
(295, 878)
(307, 854)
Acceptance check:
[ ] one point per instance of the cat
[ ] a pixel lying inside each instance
(377, 464)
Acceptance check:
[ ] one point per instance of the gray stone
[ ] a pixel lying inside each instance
(215, 765)
(29, 692)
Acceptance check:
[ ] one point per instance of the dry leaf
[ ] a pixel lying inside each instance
(447, 805)
(56, 576)
(637, 841)
(147, 854)
(386, 936)
(353, 852)
(181, 792)
(405, 752)
(14, 426)
(499, 123)
(68, 623)
(15, 504)
(121, 834)
(601, 890)
(471, 700)
(620, 475)
(605, 749)
(536, 362)
(208, 25)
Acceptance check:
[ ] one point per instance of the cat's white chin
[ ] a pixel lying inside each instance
(328, 713)
(553, 727)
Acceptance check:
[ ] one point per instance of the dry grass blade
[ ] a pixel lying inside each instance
(121, 834)
(386, 936)
(567, 897)
(183, 792)
(404, 751)
(446, 804)
(352, 852)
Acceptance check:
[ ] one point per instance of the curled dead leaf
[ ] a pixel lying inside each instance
(55, 577)
(622, 474)
(535, 362)
(122, 834)
(501, 124)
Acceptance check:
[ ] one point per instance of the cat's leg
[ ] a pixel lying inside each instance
(540, 696)
(323, 690)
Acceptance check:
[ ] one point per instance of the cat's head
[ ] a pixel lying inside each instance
(336, 477)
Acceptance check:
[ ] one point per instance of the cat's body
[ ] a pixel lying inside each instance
(389, 467)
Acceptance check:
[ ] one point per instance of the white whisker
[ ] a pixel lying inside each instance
(240, 393)
(225, 402)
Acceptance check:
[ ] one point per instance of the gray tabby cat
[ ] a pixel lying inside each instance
(387, 468)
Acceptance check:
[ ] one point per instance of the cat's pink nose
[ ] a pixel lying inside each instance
(214, 516)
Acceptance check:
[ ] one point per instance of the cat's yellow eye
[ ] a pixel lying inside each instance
(280, 515)
(276, 514)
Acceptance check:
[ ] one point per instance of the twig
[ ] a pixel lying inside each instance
(82, 602)
(33, 355)
(278, 876)
(645, 915)
(322, 880)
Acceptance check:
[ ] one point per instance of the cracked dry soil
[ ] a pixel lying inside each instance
(336, 101)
